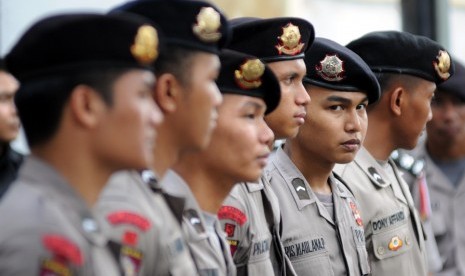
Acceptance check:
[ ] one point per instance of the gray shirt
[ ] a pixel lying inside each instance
(448, 214)
(47, 228)
(316, 243)
(202, 248)
(134, 213)
(393, 231)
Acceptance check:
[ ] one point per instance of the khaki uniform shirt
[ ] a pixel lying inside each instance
(209, 259)
(251, 218)
(448, 215)
(135, 214)
(393, 231)
(47, 229)
(317, 243)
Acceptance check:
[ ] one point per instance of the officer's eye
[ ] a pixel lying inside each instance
(361, 106)
(336, 107)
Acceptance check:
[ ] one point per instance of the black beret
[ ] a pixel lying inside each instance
(68, 43)
(193, 24)
(273, 39)
(246, 75)
(456, 84)
(404, 53)
(333, 66)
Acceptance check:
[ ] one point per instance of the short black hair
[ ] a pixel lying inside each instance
(176, 61)
(40, 102)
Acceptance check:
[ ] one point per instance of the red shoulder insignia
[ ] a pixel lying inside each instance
(232, 213)
(63, 248)
(125, 217)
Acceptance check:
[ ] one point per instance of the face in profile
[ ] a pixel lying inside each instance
(416, 111)
(290, 114)
(201, 99)
(9, 121)
(126, 134)
(336, 125)
(448, 123)
(239, 146)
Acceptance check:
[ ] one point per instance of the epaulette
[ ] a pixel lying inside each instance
(408, 163)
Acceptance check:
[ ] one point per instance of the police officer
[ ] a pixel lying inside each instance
(237, 152)
(10, 160)
(322, 227)
(86, 107)
(408, 68)
(443, 154)
(187, 94)
(281, 43)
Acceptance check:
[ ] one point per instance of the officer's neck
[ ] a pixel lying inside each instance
(315, 169)
(377, 141)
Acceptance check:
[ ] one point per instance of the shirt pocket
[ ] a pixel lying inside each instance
(393, 241)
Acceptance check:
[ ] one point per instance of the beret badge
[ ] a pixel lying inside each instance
(442, 65)
(208, 23)
(249, 74)
(145, 47)
(289, 42)
(331, 68)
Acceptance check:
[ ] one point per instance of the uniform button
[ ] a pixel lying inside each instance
(89, 225)
(381, 250)
(407, 240)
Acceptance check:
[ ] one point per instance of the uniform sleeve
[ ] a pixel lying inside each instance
(124, 221)
(234, 218)
(33, 251)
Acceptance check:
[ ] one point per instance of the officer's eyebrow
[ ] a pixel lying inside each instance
(343, 100)
(255, 105)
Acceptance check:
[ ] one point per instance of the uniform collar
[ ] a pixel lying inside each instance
(371, 168)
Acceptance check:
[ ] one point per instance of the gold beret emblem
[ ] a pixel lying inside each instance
(249, 74)
(145, 47)
(208, 23)
(289, 42)
(442, 65)
(331, 68)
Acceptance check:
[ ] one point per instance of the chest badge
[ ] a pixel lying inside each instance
(356, 213)
(395, 243)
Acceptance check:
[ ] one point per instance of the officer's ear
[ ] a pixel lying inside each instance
(397, 100)
(167, 92)
(86, 105)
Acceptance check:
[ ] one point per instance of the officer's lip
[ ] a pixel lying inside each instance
(352, 142)
(301, 115)
(351, 145)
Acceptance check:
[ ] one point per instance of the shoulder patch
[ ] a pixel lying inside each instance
(126, 217)
(63, 248)
(232, 213)
(300, 189)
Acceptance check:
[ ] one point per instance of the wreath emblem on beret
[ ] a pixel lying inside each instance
(331, 68)
(289, 42)
(442, 65)
(249, 74)
(145, 47)
(208, 23)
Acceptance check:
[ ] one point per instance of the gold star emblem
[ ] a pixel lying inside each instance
(442, 65)
(289, 42)
(331, 68)
(208, 23)
(145, 47)
(249, 74)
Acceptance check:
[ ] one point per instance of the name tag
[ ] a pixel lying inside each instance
(388, 221)
(261, 247)
(305, 247)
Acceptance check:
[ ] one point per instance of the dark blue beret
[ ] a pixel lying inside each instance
(67, 43)
(404, 53)
(333, 66)
(193, 24)
(246, 75)
(273, 39)
(456, 83)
